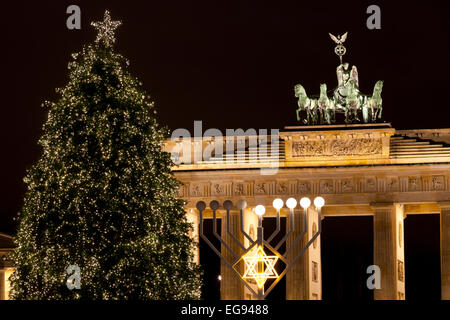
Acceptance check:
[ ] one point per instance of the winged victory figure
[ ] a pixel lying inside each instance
(339, 39)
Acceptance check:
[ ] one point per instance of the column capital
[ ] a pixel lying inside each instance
(381, 205)
(444, 204)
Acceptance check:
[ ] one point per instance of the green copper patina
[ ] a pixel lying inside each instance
(352, 103)
(305, 104)
(325, 106)
(375, 101)
(346, 99)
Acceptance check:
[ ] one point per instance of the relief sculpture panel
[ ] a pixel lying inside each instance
(336, 148)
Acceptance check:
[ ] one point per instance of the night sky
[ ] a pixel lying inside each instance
(230, 64)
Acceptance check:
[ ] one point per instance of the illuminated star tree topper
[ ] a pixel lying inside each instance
(106, 29)
(101, 199)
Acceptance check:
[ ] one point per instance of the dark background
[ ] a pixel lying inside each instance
(230, 64)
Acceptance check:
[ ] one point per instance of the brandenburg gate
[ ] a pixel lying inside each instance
(362, 167)
(366, 170)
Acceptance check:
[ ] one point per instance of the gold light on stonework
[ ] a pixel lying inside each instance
(259, 266)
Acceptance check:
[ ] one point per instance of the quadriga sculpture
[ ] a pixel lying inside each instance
(305, 104)
(325, 106)
(346, 97)
(374, 103)
(352, 104)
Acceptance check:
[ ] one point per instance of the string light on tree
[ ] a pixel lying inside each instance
(102, 195)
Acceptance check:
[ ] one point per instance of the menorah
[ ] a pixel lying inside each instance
(259, 267)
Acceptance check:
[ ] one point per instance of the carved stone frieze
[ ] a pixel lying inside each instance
(196, 190)
(261, 187)
(304, 187)
(218, 189)
(371, 185)
(239, 189)
(326, 186)
(336, 148)
(392, 184)
(344, 185)
(438, 183)
(347, 186)
(414, 183)
(282, 187)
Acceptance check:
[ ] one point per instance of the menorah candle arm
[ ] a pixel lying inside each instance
(260, 236)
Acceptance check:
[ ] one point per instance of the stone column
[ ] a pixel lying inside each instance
(231, 287)
(304, 279)
(445, 250)
(250, 226)
(192, 216)
(7, 283)
(2, 284)
(314, 258)
(389, 253)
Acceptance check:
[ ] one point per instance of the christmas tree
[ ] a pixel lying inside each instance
(102, 196)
